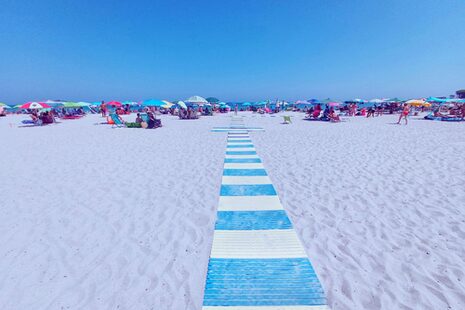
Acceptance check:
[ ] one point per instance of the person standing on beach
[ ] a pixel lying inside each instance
(404, 114)
(235, 110)
(103, 109)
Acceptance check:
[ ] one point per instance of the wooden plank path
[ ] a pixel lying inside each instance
(257, 260)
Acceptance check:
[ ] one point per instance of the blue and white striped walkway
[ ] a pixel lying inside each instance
(257, 260)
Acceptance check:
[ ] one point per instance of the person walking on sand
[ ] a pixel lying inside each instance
(404, 114)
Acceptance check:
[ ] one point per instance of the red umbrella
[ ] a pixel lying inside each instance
(114, 103)
(34, 105)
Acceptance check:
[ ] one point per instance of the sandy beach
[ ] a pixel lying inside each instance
(95, 217)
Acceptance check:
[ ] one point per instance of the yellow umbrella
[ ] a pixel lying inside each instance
(167, 104)
(418, 103)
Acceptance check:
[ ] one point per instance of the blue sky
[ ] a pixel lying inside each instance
(234, 50)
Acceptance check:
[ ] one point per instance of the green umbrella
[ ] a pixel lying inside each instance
(5, 106)
(212, 100)
(74, 105)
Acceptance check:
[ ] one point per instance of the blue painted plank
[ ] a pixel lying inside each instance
(260, 282)
(238, 146)
(242, 160)
(255, 301)
(230, 141)
(248, 190)
(241, 153)
(252, 220)
(244, 172)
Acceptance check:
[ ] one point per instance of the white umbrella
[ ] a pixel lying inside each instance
(182, 105)
(197, 99)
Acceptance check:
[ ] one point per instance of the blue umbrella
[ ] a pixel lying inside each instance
(153, 103)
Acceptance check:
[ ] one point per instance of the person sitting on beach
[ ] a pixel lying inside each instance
(333, 116)
(139, 119)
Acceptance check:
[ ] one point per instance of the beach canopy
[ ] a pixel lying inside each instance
(197, 99)
(114, 103)
(212, 100)
(34, 105)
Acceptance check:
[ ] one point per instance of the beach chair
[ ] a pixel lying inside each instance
(287, 119)
(116, 121)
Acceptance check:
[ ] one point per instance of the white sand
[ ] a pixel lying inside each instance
(101, 218)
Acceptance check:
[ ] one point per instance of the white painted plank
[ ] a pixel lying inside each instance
(275, 243)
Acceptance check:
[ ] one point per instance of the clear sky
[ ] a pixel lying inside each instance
(232, 49)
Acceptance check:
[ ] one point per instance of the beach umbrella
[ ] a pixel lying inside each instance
(301, 102)
(153, 103)
(34, 105)
(334, 104)
(197, 100)
(5, 106)
(376, 100)
(417, 103)
(75, 105)
(246, 104)
(182, 104)
(394, 100)
(212, 100)
(129, 102)
(114, 103)
(167, 104)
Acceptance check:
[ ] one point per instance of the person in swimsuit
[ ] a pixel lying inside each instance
(404, 114)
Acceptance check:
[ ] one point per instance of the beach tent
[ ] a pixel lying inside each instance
(196, 100)
(34, 105)
(212, 100)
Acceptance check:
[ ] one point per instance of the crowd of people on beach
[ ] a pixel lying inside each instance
(146, 116)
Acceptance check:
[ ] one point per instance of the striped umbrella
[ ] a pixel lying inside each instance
(34, 105)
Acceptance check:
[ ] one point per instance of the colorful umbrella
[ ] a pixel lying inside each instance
(182, 105)
(114, 103)
(168, 104)
(34, 105)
